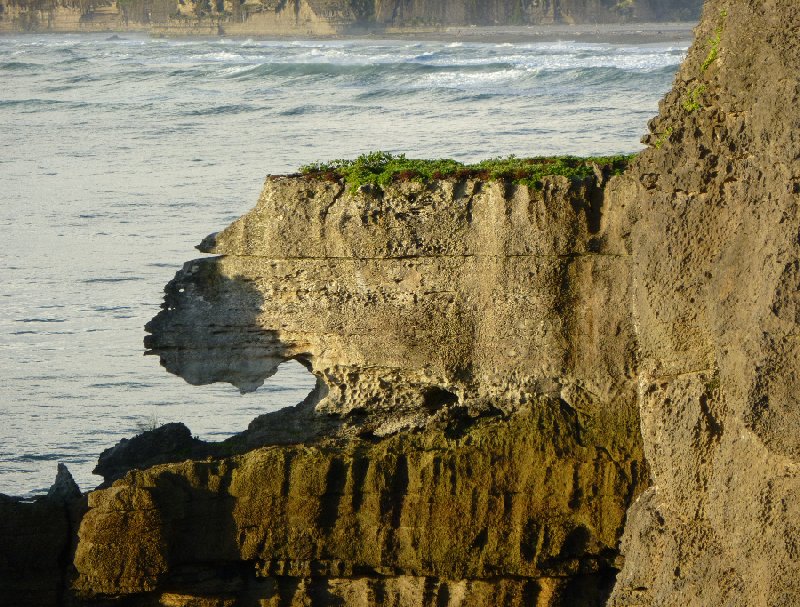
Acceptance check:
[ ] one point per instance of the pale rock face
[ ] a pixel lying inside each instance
(320, 17)
(715, 297)
(412, 299)
(474, 430)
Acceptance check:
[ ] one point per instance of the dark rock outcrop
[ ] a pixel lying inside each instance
(168, 443)
(506, 506)
(64, 489)
(37, 543)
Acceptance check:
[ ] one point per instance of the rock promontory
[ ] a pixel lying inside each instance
(474, 429)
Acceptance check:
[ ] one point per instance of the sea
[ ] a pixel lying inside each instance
(118, 154)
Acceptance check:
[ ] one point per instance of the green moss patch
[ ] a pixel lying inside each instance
(382, 168)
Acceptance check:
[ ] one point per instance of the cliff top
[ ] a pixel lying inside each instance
(383, 168)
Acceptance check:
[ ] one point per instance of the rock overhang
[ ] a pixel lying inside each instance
(461, 292)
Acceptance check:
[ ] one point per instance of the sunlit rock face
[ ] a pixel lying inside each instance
(716, 284)
(413, 299)
(474, 431)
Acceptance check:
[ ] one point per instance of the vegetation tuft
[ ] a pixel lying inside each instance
(383, 168)
(691, 100)
(663, 137)
(715, 41)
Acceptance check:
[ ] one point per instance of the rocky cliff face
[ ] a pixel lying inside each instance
(473, 438)
(716, 309)
(474, 430)
(321, 17)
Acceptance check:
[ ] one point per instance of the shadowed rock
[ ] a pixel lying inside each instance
(168, 443)
(64, 489)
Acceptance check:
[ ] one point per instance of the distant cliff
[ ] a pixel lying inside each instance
(323, 17)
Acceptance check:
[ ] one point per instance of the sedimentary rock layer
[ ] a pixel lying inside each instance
(716, 307)
(411, 299)
(504, 506)
(474, 430)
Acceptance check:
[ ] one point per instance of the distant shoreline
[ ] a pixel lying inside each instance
(634, 33)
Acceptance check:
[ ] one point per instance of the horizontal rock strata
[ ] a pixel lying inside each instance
(485, 353)
(473, 433)
(515, 507)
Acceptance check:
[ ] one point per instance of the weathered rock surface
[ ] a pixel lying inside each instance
(473, 437)
(412, 300)
(321, 17)
(37, 540)
(716, 280)
(64, 489)
(508, 505)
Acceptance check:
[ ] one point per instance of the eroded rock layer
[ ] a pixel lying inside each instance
(517, 507)
(716, 307)
(474, 431)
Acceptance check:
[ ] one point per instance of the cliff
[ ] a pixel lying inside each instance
(473, 437)
(321, 17)
(474, 430)
(716, 310)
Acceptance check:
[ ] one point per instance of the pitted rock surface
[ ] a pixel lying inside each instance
(474, 428)
(715, 277)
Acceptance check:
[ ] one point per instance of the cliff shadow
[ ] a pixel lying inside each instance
(208, 331)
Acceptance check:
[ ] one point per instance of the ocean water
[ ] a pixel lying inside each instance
(118, 155)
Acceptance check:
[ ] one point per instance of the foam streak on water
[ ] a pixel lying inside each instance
(118, 156)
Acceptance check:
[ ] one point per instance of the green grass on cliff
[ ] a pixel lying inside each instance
(382, 168)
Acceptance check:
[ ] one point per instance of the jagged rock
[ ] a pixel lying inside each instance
(64, 489)
(412, 300)
(37, 540)
(168, 443)
(716, 280)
